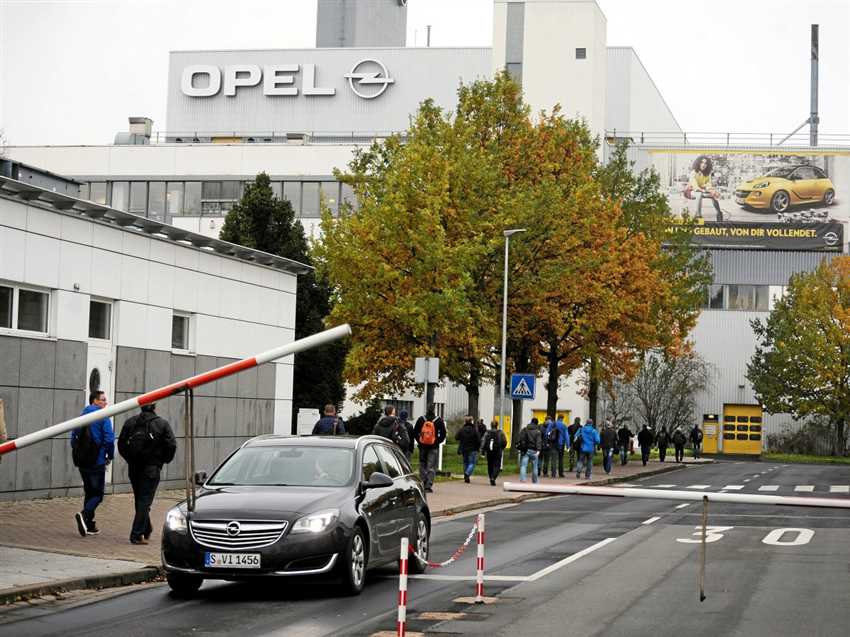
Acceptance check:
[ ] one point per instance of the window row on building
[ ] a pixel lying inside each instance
(26, 310)
(749, 298)
(162, 200)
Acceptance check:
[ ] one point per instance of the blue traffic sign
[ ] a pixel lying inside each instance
(522, 386)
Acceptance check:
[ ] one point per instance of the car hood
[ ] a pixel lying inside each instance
(749, 185)
(264, 503)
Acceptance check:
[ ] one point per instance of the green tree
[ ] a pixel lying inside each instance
(801, 364)
(264, 222)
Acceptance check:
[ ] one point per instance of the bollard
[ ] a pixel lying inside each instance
(402, 587)
(479, 563)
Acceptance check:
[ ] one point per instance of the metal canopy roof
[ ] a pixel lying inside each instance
(64, 204)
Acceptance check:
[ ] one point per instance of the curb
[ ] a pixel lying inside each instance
(123, 578)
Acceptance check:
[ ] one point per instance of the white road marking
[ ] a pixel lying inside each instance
(805, 488)
(569, 560)
(651, 520)
(682, 506)
(769, 487)
(774, 538)
(733, 487)
(699, 486)
(839, 488)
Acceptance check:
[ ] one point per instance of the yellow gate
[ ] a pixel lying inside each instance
(710, 432)
(742, 429)
(540, 414)
(506, 428)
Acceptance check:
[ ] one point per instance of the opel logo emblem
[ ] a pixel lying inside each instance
(369, 73)
(233, 528)
(830, 238)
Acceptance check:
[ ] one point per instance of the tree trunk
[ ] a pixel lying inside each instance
(552, 380)
(593, 387)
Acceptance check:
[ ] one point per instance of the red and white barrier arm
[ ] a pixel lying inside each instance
(401, 623)
(479, 563)
(300, 345)
(694, 496)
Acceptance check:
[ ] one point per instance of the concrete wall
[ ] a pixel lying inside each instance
(634, 101)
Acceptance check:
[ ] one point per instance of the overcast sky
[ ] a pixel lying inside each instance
(71, 71)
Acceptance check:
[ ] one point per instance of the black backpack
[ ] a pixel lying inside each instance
(140, 447)
(85, 450)
(398, 434)
(552, 436)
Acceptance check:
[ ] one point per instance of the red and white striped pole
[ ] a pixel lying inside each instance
(402, 587)
(85, 420)
(479, 563)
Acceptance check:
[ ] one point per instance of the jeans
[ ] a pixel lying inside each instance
(644, 454)
(662, 453)
(607, 459)
(469, 460)
(624, 455)
(531, 454)
(94, 481)
(428, 465)
(585, 458)
(145, 480)
(680, 453)
(494, 464)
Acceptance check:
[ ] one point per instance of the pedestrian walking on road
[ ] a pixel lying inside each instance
(146, 443)
(679, 439)
(92, 449)
(430, 433)
(696, 440)
(529, 445)
(492, 445)
(557, 452)
(391, 428)
(589, 440)
(663, 441)
(572, 430)
(330, 424)
(468, 444)
(551, 441)
(624, 438)
(408, 427)
(608, 442)
(645, 440)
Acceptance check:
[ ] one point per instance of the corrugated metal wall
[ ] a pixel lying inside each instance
(763, 267)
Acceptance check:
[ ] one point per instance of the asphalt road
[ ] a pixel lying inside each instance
(628, 573)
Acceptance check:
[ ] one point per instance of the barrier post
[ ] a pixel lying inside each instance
(479, 563)
(402, 587)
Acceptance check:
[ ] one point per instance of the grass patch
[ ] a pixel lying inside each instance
(793, 458)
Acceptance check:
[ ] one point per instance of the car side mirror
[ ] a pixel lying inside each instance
(377, 480)
(200, 478)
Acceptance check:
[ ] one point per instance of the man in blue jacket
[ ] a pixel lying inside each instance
(330, 424)
(94, 473)
(588, 441)
(556, 439)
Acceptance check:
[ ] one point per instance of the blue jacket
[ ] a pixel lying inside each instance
(103, 435)
(325, 426)
(589, 439)
(563, 435)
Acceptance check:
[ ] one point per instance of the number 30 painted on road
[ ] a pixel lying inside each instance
(774, 538)
(712, 534)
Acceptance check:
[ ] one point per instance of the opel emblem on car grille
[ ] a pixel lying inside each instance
(233, 528)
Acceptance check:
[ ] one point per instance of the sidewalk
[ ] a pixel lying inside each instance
(48, 526)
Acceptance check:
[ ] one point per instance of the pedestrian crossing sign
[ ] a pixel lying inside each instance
(522, 386)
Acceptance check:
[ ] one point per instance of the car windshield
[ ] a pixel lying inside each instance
(295, 466)
(779, 172)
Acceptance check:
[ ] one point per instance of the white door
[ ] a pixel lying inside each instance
(101, 356)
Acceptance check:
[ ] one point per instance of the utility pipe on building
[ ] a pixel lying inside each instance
(85, 420)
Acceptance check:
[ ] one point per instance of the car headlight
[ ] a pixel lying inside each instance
(315, 522)
(175, 521)
(763, 184)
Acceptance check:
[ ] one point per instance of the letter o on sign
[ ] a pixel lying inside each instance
(187, 82)
(774, 538)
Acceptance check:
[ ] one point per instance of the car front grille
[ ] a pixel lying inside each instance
(743, 194)
(223, 535)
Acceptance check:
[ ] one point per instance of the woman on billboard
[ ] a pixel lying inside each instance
(700, 186)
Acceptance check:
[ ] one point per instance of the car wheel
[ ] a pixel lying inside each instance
(354, 564)
(828, 197)
(183, 585)
(780, 201)
(421, 546)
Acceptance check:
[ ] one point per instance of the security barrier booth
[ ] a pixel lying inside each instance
(742, 429)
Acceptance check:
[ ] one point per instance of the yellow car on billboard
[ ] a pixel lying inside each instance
(781, 188)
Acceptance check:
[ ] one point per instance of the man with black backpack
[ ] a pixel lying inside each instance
(553, 447)
(408, 427)
(392, 428)
(330, 424)
(493, 444)
(92, 449)
(146, 443)
(572, 430)
(430, 433)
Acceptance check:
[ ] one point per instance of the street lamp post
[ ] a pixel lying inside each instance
(508, 234)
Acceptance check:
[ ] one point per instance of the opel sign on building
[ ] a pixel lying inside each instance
(355, 91)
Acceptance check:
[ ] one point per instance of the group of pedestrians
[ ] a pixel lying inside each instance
(678, 438)
(146, 443)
